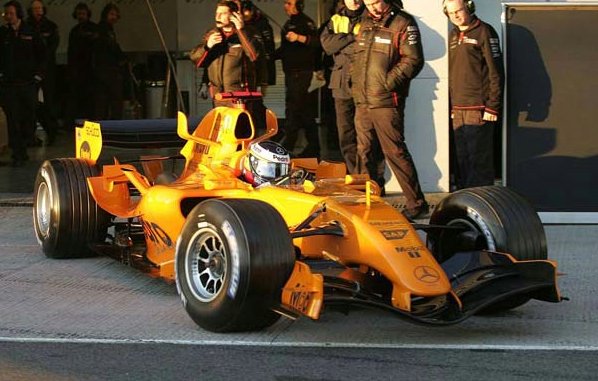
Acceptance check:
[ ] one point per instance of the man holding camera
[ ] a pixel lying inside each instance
(230, 53)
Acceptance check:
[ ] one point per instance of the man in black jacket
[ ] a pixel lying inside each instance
(22, 60)
(79, 60)
(298, 51)
(337, 39)
(48, 31)
(388, 54)
(254, 17)
(108, 63)
(475, 83)
(230, 52)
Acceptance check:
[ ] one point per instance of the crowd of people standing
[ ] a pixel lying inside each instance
(377, 51)
(375, 48)
(28, 71)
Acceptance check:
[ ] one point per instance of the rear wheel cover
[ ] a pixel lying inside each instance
(66, 219)
(43, 210)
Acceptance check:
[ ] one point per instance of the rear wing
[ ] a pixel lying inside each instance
(91, 136)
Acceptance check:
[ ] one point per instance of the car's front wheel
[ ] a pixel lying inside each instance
(488, 218)
(233, 258)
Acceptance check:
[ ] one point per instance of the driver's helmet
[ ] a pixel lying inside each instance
(265, 162)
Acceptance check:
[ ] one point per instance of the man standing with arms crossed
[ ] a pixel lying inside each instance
(388, 55)
(476, 80)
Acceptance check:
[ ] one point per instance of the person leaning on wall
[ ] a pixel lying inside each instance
(476, 79)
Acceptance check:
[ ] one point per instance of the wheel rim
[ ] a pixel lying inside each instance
(468, 239)
(206, 264)
(471, 235)
(43, 208)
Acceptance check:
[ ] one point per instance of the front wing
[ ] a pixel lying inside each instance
(480, 280)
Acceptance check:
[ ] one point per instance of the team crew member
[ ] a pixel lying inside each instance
(108, 64)
(48, 31)
(476, 80)
(298, 51)
(79, 59)
(337, 40)
(388, 54)
(254, 17)
(230, 52)
(22, 60)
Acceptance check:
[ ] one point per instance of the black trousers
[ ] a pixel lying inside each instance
(109, 94)
(298, 112)
(80, 103)
(347, 136)
(474, 148)
(386, 126)
(46, 111)
(18, 102)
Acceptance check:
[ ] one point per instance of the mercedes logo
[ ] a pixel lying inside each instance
(280, 150)
(426, 274)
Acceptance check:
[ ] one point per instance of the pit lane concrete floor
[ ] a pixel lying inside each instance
(101, 300)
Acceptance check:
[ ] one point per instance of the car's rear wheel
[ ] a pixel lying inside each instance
(66, 219)
(490, 218)
(233, 258)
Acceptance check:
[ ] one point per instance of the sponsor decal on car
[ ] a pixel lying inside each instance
(412, 251)
(394, 234)
(156, 234)
(426, 274)
(300, 300)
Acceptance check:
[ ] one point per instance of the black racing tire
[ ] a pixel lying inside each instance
(233, 258)
(66, 219)
(496, 219)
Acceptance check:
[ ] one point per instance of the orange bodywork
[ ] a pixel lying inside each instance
(375, 236)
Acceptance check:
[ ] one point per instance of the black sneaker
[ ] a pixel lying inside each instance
(417, 213)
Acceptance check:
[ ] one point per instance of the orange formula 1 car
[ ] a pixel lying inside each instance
(243, 256)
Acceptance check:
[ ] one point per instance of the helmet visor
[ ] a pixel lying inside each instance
(268, 170)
